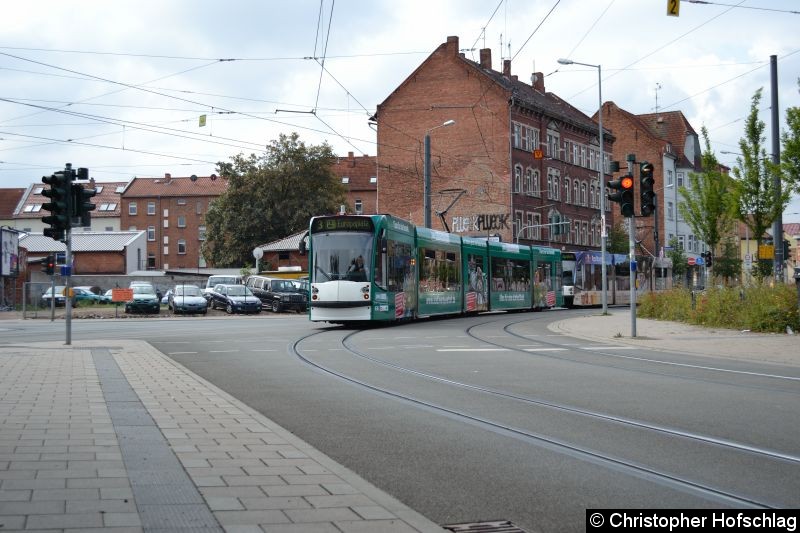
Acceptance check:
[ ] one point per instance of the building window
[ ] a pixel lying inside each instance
(345, 179)
(166, 222)
(181, 201)
(567, 191)
(517, 223)
(680, 179)
(373, 179)
(98, 189)
(516, 135)
(669, 178)
(132, 208)
(670, 211)
(537, 184)
(131, 228)
(575, 192)
(181, 221)
(166, 250)
(529, 224)
(151, 261)
(585, 234)
(109, 228)
(151, 233)
(359, 206)
(556, 187)
(583, 193)
(528, 186)
(151, 208)
(517, 178)
(591, 194)
(166, 239)
(181, 246)
(198, 208)
(201, 233)
(681, 245)
(537, 222)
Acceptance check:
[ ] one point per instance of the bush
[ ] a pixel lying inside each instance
(761, 308)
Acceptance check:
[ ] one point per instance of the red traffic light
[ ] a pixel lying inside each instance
(627, 182)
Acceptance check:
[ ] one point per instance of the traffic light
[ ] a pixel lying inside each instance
(646, 193)
(81, 203)
(48, 264)
(59, 205)
(708, 257)
(624, 194)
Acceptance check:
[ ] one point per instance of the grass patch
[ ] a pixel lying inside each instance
(761, 308)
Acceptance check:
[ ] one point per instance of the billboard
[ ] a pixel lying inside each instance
(9, 252)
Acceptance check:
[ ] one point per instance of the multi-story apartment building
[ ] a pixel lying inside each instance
(516, 158)
(669, 142)
(359, 175)
(28, 213)
(172, 212)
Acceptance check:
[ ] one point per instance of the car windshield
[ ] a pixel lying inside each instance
(188, 290)
(142, 289)
(59, 290)
(222, 280)
(238, 290)
(341, 255)
(283, 286)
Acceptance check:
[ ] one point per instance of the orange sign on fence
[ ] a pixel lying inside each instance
(121, 295)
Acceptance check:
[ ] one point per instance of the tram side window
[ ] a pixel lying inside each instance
(623, 275)
(401, 274)
(510, 275)
(440, 271)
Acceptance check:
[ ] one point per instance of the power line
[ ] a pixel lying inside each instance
(483, 29)
(744, 7)
(536, 29)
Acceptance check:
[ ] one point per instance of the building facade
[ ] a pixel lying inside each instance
(171, 211)
(359, 175)
(516, 160)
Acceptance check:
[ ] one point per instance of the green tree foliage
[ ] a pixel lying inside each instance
(727, 263)
(707, 203)
(617, 240)
(269, 197)
(790, 154)
(758, 203)
(678, 258)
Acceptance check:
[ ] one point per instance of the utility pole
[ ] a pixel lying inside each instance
(631, 159)
(777, 225)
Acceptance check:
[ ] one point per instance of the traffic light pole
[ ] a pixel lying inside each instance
(67, 290)
(632, 256)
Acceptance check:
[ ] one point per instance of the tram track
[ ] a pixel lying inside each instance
(550, 441)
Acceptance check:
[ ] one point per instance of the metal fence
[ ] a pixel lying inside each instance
(33, 305)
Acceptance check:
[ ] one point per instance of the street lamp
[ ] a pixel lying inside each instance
(426, 193)
(601, 175)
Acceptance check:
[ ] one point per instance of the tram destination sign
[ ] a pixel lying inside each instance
(342, 223)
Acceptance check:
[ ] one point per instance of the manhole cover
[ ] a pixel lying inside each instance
(498, 526)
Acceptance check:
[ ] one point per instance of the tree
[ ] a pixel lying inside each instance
(678, 258)
(617, 240)
(269, 197)
(790, 154)
(758, 203)
(707, 204)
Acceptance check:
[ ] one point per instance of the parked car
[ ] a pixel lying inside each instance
(218, 279)
(187, 299)
(144, 300)
(278, 294)
(148, 284)
(84, 294)
(234, 299)
(60, 300)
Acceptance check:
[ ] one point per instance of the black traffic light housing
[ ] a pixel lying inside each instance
(81, 203)
(60, 195)
(647, 195)
(708, 257)
(48, 264)
(623, 195)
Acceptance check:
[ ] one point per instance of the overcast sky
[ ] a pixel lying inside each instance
(119, 86)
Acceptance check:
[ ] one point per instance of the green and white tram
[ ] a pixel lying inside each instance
(381, 268)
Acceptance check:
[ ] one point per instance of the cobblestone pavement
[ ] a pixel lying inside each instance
(95, 436)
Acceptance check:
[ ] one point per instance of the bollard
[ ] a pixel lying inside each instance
(694, 300)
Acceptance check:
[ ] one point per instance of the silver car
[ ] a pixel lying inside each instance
(187, 299)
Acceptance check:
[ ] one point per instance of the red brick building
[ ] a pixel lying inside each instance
(172, 212)
(668, 141)
(488, 156)
(360, 176)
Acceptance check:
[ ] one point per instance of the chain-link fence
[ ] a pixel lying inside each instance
(37, 299)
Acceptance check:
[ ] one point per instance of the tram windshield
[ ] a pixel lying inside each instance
(341, 256)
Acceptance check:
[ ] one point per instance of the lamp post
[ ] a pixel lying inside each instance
(426, 193)
(601, 176)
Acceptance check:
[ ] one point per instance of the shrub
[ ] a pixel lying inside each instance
(760, 308)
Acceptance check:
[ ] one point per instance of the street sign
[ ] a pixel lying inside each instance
(633, 266)
(690, 261)
(121, 295)
(700, 261)
(66, 270)
(673, 8)
(538, 154)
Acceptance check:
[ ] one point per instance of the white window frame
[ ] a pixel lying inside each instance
(133, 209)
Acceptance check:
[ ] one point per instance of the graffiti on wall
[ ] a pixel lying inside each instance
(480, 223)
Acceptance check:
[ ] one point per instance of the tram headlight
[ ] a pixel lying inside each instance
(365, 291)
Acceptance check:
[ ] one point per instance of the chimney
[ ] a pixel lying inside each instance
(486, 58)
(167, 177)
(452, 45)
(507, 68)
(91, 183)
(537, 81)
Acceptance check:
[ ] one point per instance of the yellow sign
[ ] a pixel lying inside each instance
(766, 251)
(673, 8)
(538, 154)
(202, 120)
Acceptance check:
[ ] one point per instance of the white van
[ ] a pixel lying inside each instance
(224, 279)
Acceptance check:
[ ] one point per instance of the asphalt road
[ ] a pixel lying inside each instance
(495, 417)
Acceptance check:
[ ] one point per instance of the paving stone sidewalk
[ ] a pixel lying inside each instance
(123, 438)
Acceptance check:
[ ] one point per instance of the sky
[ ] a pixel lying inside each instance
(119, 87)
